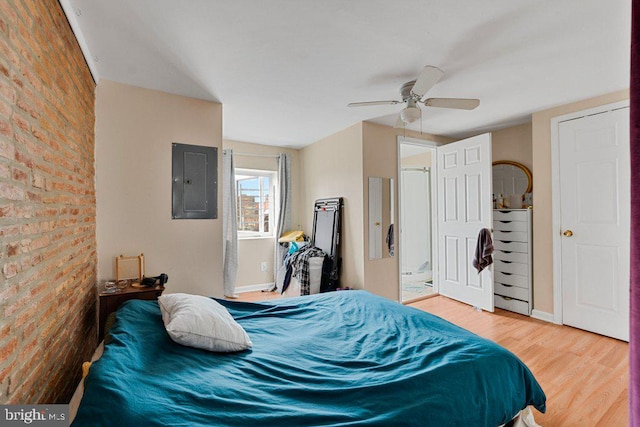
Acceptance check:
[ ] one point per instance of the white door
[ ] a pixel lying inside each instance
(595, 208)
(464, 208)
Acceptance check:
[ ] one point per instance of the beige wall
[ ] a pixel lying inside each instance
(380, 158)
(252, 252)
(332, 167)
(513, 143)
(134, 131)
(418, 160)
(542, 206)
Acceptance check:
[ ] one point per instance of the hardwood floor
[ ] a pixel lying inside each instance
(585, 376)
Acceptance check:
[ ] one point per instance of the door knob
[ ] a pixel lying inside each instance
(568, 233)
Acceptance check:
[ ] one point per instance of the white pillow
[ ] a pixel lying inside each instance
(201, 322)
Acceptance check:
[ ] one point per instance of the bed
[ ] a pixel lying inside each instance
(344, 358)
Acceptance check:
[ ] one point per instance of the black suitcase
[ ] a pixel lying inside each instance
(327, 222)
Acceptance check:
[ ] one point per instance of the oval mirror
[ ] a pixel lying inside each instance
(511, 178)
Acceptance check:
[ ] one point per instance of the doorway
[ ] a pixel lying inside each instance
(416, 220)
(591, 206)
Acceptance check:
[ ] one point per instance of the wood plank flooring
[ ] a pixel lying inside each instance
(585, 376)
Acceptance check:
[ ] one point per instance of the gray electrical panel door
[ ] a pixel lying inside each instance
(195, 182)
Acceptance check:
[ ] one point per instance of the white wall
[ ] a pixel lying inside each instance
(134, 131)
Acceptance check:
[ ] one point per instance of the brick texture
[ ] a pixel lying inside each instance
(47, 205)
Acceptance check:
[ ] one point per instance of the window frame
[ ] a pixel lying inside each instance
(273, 176)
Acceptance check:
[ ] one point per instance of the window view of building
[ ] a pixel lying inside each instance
(254, 200)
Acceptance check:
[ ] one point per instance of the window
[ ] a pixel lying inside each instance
(255, 202)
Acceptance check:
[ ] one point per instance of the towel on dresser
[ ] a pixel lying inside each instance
(484, 249)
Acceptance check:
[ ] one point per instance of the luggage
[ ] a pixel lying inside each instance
(327, 222)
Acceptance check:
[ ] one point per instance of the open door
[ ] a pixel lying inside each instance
(464, 208)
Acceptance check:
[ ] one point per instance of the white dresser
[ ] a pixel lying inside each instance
(512, 253)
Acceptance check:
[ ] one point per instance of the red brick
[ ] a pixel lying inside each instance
(20, 175)
(28, 108)
(38, 181)
(5, 109)
(33, 196)
(30, 327)
(17, 81)
(10, 270)
(8, 348)
(21, 122)
(35, 260)
(9, 231)
(13, 249)
(6, 150)
(6, 210)
(6, 90)
(5, 128)
(23, 159)
(6, 7)
(5, 171)
(46, 143)
(39, 243)
(8, 51)
(26, 143)
(8, 291)
(11, 192)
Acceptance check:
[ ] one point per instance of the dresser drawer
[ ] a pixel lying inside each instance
(510, 225)
(510, 304)
(503, 245)
(511, 291)
(511, 256)
(511, 267)
(511, 279)
(512, 236)
(508, 215)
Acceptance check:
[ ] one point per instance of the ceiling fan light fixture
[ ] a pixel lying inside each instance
(410, 114)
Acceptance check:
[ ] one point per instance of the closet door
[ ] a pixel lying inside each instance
(464, 208)
(595, 212)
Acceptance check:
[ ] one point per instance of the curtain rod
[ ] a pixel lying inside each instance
(256, 155)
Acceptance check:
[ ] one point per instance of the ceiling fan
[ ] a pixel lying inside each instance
(413, 93)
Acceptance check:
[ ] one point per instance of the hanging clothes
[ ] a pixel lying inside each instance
(390, 240)
(484, 249)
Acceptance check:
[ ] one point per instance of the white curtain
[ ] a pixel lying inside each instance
(284, 214)
(229, 225)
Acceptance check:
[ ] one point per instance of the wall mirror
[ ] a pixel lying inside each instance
(380, 216)
(511, 178)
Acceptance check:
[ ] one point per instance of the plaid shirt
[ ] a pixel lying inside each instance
(300, 263)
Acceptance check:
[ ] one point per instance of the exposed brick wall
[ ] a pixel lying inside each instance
(47, 204)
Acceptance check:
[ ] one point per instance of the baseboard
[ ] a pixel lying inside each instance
(542, 315)
(253, 288)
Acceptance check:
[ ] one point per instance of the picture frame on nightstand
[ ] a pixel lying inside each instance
(130, 268)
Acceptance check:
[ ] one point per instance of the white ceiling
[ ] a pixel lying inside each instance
(286, 69)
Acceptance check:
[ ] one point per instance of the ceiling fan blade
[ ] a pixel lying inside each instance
(399, 123)
(459, 103)
(367, 103)
(429, 76)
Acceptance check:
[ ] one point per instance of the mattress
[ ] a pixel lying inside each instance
(345, 358)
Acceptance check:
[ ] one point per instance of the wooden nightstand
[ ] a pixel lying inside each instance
(109, 302)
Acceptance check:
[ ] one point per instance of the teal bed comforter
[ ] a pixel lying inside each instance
(345, 358)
